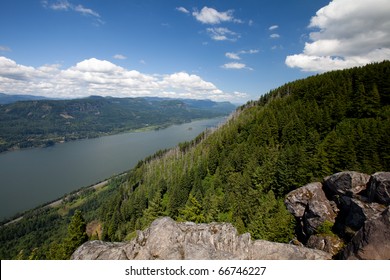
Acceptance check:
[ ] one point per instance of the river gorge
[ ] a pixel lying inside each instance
(32, 177)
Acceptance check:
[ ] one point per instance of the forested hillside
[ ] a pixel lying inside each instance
(298, 133)
(241, 172)
(45, 122)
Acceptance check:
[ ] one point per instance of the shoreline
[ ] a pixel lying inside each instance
(103, 134)
(58, 202)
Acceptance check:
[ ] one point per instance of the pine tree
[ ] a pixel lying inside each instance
(154, 210)
(76, 234)
(193, 211)
(56, 252)
(359, 101)
(373, 101)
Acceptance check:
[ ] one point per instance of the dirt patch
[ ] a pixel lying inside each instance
(94, 228)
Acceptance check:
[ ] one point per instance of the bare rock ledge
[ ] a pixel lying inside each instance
(166, 239)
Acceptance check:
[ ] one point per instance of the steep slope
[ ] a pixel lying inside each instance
(240, 173)
(37, 123)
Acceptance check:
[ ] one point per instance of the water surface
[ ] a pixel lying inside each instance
(32, 177)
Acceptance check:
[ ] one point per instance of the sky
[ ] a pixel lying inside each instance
(223, 50)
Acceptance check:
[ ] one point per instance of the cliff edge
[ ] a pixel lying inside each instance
(347, 216)
(166, 239)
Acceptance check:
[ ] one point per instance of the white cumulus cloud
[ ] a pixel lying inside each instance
(212, 16)
(349, 33)
(232, 55)
(101, 77)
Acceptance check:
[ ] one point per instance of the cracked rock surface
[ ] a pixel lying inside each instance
(166, 239)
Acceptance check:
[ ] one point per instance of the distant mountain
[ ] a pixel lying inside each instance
(205, 104)
(45, 122)
(7, 98)
(199, 103)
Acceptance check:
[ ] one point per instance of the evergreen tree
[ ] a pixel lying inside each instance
(76, 234)
(56, 252)
(154, 210)
(193, 211)
(373, 101)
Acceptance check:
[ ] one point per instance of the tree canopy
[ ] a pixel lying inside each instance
(240, 173)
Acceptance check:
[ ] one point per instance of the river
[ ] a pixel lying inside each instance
(29, 178)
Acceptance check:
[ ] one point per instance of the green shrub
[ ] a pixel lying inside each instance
(326, 228)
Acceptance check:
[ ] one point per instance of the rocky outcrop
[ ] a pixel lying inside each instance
(310, 206)
(346, 216)
(354, 212)
(329, 243)
(372, 241)
(346, 183)
(379, 188)
(354, 205)
(167, 240)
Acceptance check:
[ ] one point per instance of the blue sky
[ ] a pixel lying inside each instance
(222, 50)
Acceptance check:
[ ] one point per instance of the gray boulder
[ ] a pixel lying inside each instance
(372, 241)
(100, 250)
(346, 183)
(297, 200)
(167, 240)
(379, 188)
(310, 206)
(356, 212)
(354, 203)
(329, 243)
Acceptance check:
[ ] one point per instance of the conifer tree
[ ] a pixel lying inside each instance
(193, 212)
(154, 210)
(76, 233)
(373, 101)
